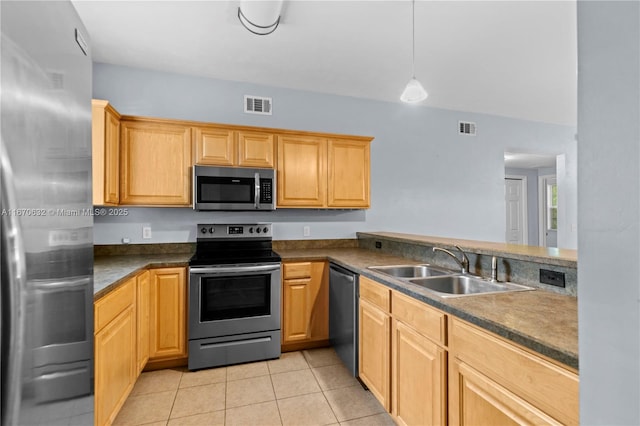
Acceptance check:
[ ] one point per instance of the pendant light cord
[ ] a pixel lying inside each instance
(413, 38)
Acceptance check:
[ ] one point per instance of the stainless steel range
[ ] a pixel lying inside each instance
(234, 296)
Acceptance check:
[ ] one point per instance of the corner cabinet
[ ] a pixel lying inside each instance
(321, 172)
(155, 167)
(305, 305)
(105, 141)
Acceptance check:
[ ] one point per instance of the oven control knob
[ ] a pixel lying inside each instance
(212, 230)
(265, 230)
(258, 230)
(251, 230)
(203, 230)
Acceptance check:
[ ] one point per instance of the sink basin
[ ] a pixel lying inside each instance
(412, 271)
(465, 285)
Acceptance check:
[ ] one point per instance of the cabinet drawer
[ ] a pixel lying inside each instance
(547, 386)
(375, 293)
(423, 318)
(111, 305)
(296, 270)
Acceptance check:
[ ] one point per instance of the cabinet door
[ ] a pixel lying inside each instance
(419, 372)
(167, 331)
(156, 164)
(349, 169)
(297, 310)
(476, 400)
(375, 351)
(143, 304)
(302, 171)
(255, 149)
(105, 153)
(215, 146)
(115, 365)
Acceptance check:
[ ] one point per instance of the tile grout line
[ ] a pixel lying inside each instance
(275, 396)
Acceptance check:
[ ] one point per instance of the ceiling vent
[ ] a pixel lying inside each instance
(467, 128)
(257, 105)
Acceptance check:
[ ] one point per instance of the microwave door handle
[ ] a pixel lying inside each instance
(256, 197)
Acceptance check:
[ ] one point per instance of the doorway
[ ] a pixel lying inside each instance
(515, 191)
(548, 204)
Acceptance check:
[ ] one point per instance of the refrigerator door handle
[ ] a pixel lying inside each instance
(13, 309)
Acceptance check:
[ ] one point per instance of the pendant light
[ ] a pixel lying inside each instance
(414, 92)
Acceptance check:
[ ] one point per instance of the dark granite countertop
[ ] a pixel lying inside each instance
(111, 271)
(539, 320)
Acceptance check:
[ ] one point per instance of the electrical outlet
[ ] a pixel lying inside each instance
(306, 231)
(552, 277)
(146, 232)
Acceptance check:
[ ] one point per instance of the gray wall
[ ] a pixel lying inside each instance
(426, 179)
(609, 211)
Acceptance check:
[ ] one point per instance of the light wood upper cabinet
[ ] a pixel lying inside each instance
(323, 173)
(215, 146)
(168, 314)
(155, 164)
(302, 171)
(256, 149)
(220, 146)
(305, 307)
(349, 168)
(105, 140)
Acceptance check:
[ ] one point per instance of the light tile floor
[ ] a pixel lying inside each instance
(301, 388)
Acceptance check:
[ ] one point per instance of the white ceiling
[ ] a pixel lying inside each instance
(510, 58)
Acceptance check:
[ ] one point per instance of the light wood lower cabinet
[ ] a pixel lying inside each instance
(151, 304)
(374, 357)
(168, 314)
(114, 351)
(305, 305)
(493, 381)
(419, 363)
(143, 306)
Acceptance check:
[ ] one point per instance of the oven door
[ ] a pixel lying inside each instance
(233, 299)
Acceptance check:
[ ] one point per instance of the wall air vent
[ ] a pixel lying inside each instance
(257, 105)
(467, 128)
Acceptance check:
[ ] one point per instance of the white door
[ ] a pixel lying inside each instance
(548, 211)
(515, 201)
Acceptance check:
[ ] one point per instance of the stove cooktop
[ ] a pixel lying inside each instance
(226, 244)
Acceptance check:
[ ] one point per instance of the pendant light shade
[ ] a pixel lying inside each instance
(414, 92)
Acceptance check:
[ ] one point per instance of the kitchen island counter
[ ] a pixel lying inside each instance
(542, 321)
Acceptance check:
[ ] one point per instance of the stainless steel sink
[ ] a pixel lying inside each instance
(465, 285)
(412, 271)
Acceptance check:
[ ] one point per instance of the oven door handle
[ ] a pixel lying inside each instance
(234, 269)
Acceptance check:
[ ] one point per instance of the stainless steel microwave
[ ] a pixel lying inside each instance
(230, 188)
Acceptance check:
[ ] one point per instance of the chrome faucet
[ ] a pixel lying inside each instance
(464, 263)
(494, 269)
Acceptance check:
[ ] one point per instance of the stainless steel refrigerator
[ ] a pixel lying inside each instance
(47, 240)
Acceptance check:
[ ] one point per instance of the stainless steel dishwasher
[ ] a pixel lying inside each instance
(343, 315)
